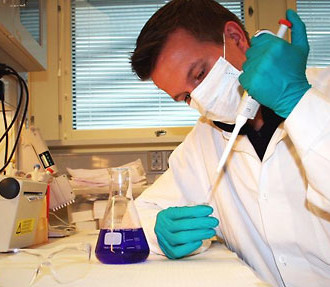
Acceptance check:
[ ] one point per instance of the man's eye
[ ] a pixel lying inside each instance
(201, 75)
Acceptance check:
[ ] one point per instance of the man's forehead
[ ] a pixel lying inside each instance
(178, 35)
(181, 46)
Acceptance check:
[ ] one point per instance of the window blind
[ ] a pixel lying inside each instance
(30, 18)
(316, 15)
(105, 92)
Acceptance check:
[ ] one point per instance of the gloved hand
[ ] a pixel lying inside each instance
(274, 72)
(180, 230)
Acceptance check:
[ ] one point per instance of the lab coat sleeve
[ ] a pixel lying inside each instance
(184, 183)
(308, 126)
(162, 194)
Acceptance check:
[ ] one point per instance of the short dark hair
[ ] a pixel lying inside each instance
(204, 19)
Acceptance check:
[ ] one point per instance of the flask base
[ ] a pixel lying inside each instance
(122, 246)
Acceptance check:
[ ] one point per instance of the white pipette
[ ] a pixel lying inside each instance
(247, 110)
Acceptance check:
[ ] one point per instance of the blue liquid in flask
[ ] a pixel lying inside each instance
(122, 246)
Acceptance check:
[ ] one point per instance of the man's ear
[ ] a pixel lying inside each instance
(233, 31)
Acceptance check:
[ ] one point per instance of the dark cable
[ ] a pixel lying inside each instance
(18, 106)
(2, 91)
(2, 99)
(6, 70)
(20, 126)
(5, 123)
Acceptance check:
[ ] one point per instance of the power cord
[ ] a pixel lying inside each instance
(61, 230)
(2, 99)
(19, 116)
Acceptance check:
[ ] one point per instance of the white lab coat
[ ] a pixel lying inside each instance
(274, 213)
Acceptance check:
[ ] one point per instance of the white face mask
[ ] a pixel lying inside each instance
(218, 96)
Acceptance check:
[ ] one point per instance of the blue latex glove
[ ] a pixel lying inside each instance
(274, 72)
(180, 230)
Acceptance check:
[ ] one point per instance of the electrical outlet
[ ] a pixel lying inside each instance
(155, 160)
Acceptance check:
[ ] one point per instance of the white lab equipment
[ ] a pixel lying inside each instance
(20, 204)
(33, 145)
(32, 137)
(247, 110)
(61, 193)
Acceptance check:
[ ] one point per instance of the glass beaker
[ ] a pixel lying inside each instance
(121, 239)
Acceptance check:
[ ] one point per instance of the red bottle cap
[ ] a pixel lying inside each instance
(285, 22)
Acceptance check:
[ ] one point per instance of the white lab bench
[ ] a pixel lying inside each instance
(215, 267)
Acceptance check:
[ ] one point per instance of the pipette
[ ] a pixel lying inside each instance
(247, 110)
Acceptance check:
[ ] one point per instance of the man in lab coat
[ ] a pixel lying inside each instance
(271, 204)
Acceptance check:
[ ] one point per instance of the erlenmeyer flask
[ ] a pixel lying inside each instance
(121, 239)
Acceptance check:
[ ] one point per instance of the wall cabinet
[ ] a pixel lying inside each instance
(23, 34)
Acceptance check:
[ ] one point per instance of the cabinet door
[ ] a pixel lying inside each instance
(23, 34)
(7, 23)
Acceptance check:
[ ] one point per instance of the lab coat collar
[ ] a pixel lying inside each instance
(243, 144)
(278, 135)
(258, 140)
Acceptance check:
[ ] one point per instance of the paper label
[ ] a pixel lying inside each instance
(113, 238)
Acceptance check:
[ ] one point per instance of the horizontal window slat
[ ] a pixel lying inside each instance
(316, 16)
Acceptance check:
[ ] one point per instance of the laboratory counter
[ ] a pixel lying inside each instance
(215, 267)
